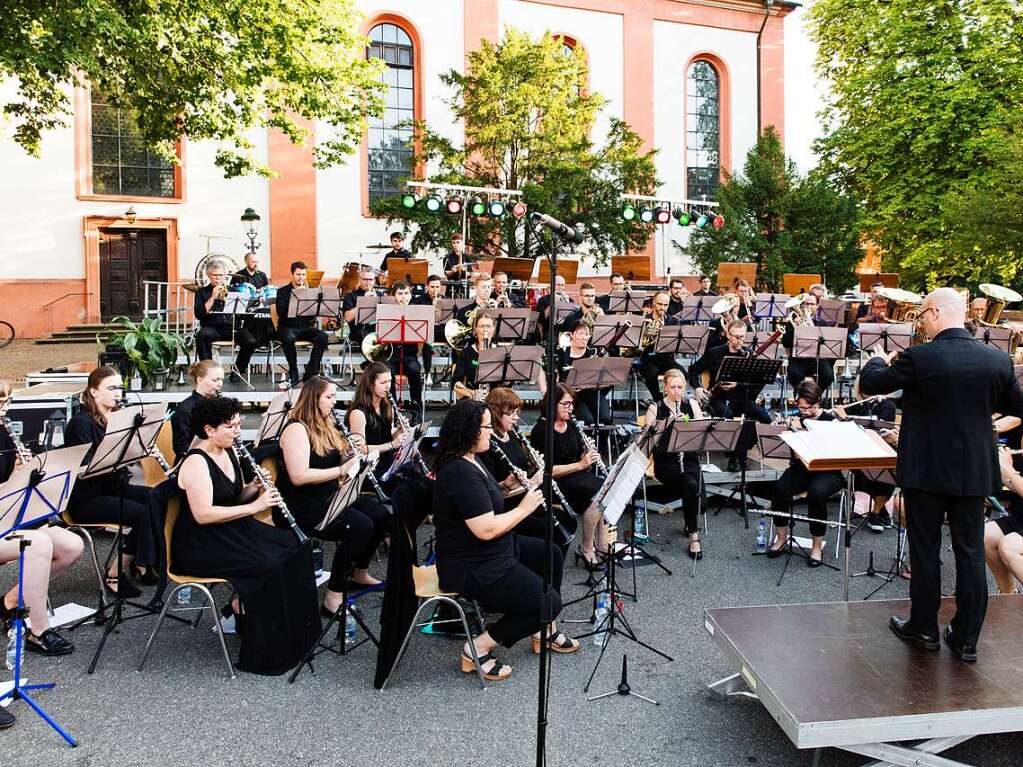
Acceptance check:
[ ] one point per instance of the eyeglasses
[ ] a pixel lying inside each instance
(486, 426)
(934, 309)
(567, 403)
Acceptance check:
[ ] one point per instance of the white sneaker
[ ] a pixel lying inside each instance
(227, 624)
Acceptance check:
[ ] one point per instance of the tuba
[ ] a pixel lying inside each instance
(997, 298)
(796, 316)
(373, 351)
(903, 305)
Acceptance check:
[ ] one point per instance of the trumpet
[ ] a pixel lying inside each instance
(537, 461)
(405, 426)
(563, 536)
(373, 481)
(591, 447)
(503, 302)
(220, 291)
(243, 453)
(24, 454)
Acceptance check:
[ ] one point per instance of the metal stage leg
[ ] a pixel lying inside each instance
(923, 755)
(730, 686)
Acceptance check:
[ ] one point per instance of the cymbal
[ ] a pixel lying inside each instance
(191, 287)
(378, 246)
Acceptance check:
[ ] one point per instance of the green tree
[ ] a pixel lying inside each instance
(205, 69)
(782, 222)
(527, 122)
(918, 91)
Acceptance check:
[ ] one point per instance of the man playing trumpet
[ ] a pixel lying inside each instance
(216, 326)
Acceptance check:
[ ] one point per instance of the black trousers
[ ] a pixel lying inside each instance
(517, 594)
(246, 343)
(413, 372)
(145, 540)
(681, 482)
(801, 368)
(819, 486)
(288, 338)
(357, 531)
(653, 365)
(925, 514)
(427, 358)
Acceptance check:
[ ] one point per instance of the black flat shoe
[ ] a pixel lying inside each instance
(50, 643)
(6, 719)
(122, 587)
(811, 562)
(354, 587)
(907, 633)
(965, 653)
(773, 553)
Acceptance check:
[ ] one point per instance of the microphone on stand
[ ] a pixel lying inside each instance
(573, 234)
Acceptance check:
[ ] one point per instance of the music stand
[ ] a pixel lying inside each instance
(506, 365)
(34, 493)
(366, 309)
(345, 495)
(687, 340)
(794, 284)
(627, 301)
(562, 310)
(634, 268)
(515, 268)
(236, 304)
(411, 270)
(730, 271)
(408, 453)
(566, 268)
(598, 372)
(511, 324)
(445, 310)
(275, 418)
(315, 302)
(771, 345)
(771, 443)
(1000, 338)
(770, 306)
(888, 279)
(616, 330)
(819, 343)
(130, 436)
(697, 309)
(891, 336)
(832, 311)
(411, 324)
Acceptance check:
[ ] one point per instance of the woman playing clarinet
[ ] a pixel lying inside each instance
(371, 419)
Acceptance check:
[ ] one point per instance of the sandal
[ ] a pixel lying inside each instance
(557, 642)
(494, 674)
(588, 560)
(694, 540)
(121, 586)
(48, 643)
(146, 576)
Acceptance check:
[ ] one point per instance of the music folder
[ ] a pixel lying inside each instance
(839, 445)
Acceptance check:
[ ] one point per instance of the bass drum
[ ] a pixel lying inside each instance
(200, 268)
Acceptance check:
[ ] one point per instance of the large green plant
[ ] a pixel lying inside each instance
(147, 346)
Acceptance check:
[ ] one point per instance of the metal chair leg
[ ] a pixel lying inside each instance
(159, 622)
(216, 626)
(95, 562)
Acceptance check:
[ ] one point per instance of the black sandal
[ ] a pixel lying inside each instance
(557, 642)
(48, 643)
(121, 586)
(698, 553)
(584, 561)
(493, 675)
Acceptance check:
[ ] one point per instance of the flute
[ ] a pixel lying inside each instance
(24, 454)
(523, 480)
(243, 453)
(340, 423)
(537, 460)
(405, 426)
(591, 446)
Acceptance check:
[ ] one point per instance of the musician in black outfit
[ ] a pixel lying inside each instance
(617, 286)
(434, 291)
(678, 472)
(804, 368)
(705, 287)
(819, 486)
(587, 308)
(947, 462)
(591, 403)
(209, 300)
(467, 362)
(651, 362)
(292, 329)
(478, 554)
(397, 251)
(545, 303)
(371, 419)
(314, 459)
(483, 287)
(502, 297)
(404, 359)
(258, 325)
(677, 294)
(356, 332)
(1003, 537)
(457, 265)
(572, 461)
(208, 377)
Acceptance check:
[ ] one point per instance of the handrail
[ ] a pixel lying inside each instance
(66, 295)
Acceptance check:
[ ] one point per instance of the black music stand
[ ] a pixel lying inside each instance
(511, 324)
(599, 373)
(819, 343)
(563, 310)
(1000, 338)
(236, 304)
(748, 373)
(696, 309)
(770, 306)
(345, 495)
(315, 302)
(130, 436)
(627, 301)
(408, 453)
(275, 418)
(506, 365)
(890, 336)
(685, 340)
(34, 493)
(613, 331)
(770, 350)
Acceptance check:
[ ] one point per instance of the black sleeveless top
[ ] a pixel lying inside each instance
(565, 360)
(308, 503)
(664, 412)
(496, 466)
(378, 432)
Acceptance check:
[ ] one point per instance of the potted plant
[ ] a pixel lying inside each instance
(150, 349)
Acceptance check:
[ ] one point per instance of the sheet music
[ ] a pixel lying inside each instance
(831, 440)
(621, 483)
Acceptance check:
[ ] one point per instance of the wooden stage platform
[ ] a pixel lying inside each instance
(833, 675)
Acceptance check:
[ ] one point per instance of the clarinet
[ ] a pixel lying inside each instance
(404, 425)
(243, 453)
(340, 423)
(156, 455)
(523, 480)
(591, 446)
(537, 460)
(24, 454)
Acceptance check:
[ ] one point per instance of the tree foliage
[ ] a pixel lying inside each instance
(205, 69)
(919, 94)
(781, 221)
(527, 122)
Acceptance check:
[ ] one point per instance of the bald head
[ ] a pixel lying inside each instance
(949, 310)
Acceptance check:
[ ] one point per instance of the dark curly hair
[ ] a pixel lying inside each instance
(213, 412)
(460, 430)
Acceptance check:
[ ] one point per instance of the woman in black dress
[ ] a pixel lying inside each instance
(591, 403)
(208, 377)
(678, 472)
(98, 500)
(314, 460)
(216, 536)
(478, 555)
(467, 362)
(572, 464)
(818, 485)
(370, 417)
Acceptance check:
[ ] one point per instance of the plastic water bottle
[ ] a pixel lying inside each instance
(185, 596)
(351, 627)
(600, 613)
(136, 380)
(762, 536)
(12, 649)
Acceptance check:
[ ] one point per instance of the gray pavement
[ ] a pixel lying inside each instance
(184, 710)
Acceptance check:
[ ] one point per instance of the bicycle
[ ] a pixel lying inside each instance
(6, 333)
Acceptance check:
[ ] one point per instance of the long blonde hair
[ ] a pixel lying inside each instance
(323, 433)
(96, 377)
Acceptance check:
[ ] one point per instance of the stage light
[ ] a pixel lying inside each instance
(409, 200)
(434, 203)
(477, 207)
(628, 212)
(518, 209)
(454, 205)
(719, 221)
(496, 208)
(681, 216)
(662, 214)
(646, 215)
(702, 220)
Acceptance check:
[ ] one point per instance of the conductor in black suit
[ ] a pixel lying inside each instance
(947, 462)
